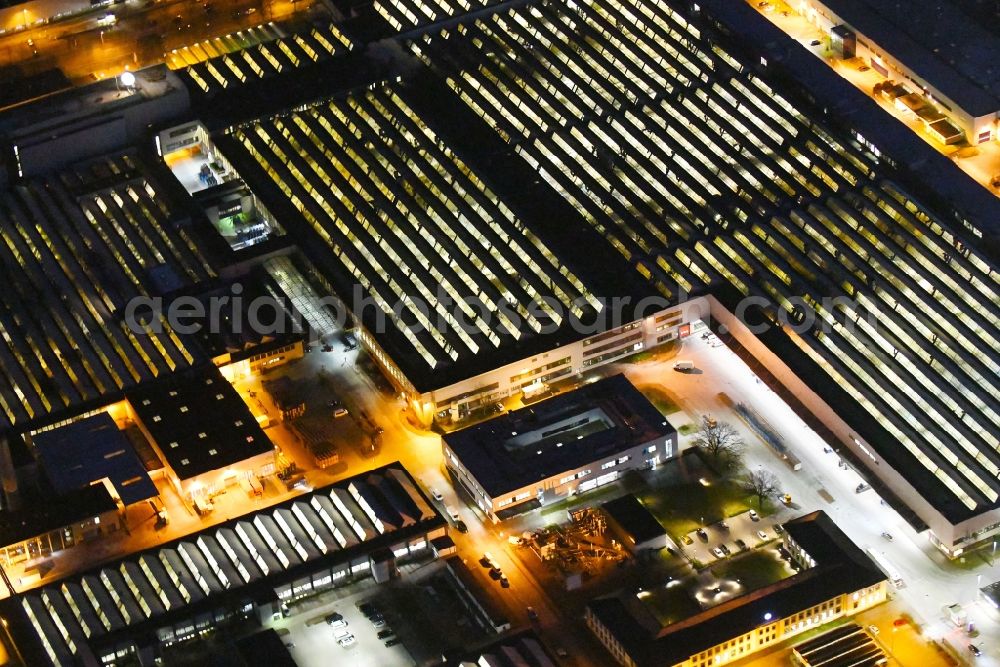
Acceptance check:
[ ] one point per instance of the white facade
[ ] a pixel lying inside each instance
(559, 363)
(566, 482)
(978, 129)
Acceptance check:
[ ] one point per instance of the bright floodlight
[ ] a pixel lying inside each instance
(127, 79)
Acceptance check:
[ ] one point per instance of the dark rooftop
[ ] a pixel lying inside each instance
(198, 421)
(522, 649)
(846, 646)
(262, 648)
(521, 447)
(940, 44)
(38, 518)
(841, 567)
(634, 518)
(88, 450)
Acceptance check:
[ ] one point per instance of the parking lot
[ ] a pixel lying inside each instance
(728, 534)
(313, 642)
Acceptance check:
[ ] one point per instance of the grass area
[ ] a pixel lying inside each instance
(754, 570)
(688, 429)
(680, 501)
(659, 397)
(670, 605)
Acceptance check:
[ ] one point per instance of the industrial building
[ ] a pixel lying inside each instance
(709, 179)
(836, 580)
(203, 432)
(567, 444)
(938, 52)
(92, 450)
(238, 571)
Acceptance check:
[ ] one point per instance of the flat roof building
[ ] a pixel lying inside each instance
(728, 167)
(238, 571)
(939, 49)
(836, 579)
(633, 524)
(90, 450)
(570, 443)
(202, 430)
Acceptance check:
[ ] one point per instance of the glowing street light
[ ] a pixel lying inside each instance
(127, 79)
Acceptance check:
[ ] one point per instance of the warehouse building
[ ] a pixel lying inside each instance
(938, 52)
(571, 443)
(689, 161)
(836, 580)
(238, 571)
(203, 432)
(469, 302)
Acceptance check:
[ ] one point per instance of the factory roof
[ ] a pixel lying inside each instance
(841, 567)
(565, 432)
(198, 421)
(91, 449)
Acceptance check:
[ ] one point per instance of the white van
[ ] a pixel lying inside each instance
(684, 366)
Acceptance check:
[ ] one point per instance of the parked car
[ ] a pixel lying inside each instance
(778, 528)
(495, 573)
(887, 536)
(453, 513)
(684, 366)
(724, 549)
(392, 642)
(334, 619)
(340, 412)
(346, 640)
(975, 650)
(436, 495)
(378, 621)
(741, 545)
(718, 553)
(702, 534)
(753, 515)
(815, 42)
(532, 614)
(461, 527)
(762, 535)
(385, 634)
(873, 629)
(787, 498)
(504, 582)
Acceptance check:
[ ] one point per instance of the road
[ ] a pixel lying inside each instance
(142, 33)
(931, 583)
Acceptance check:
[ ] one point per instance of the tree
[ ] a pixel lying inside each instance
(721, 444)
(762, 484)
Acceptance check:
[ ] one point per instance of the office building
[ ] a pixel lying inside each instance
(836, 580)
(568, 444)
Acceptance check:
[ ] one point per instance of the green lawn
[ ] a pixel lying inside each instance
(660, 398)
(754, 570)
(679, 500)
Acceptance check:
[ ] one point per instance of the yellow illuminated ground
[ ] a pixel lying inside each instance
(145, 33)
(981, 162)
